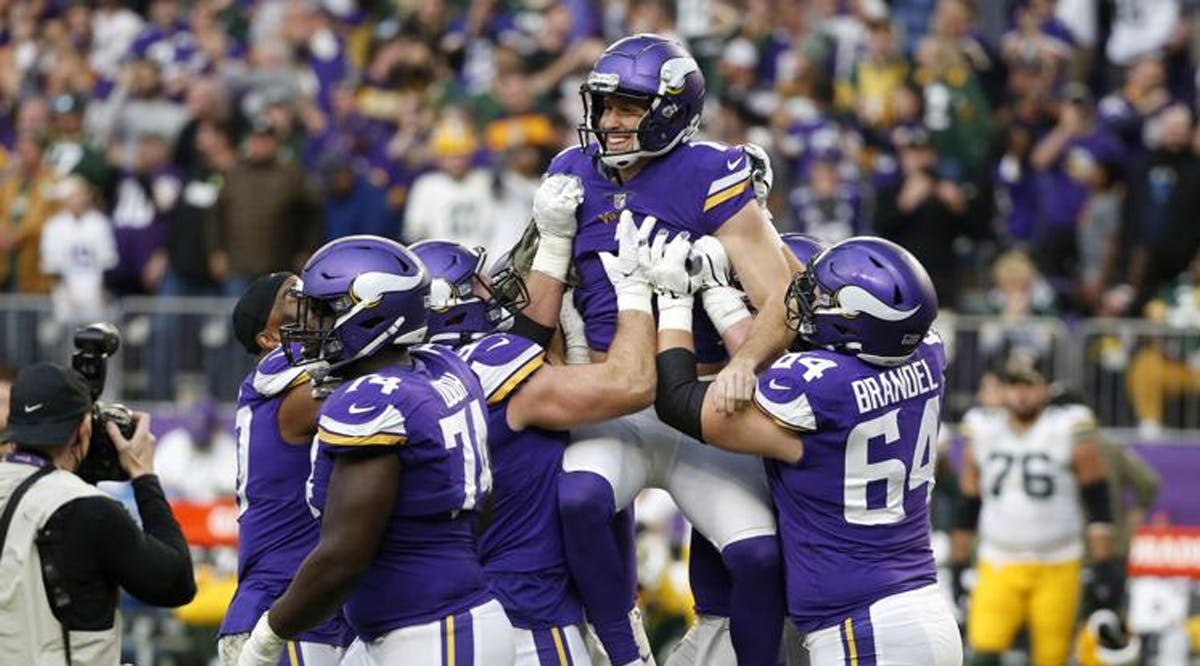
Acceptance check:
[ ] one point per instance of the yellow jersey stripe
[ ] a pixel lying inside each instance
(558, 646)
(515, 379)
(301, 378)
(378, 439)
(725, 195)
(449, 640)
(848, 627)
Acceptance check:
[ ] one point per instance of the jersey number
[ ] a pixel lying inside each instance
(470, 434)
(860, 473)
(1036, 477)
(241, 424)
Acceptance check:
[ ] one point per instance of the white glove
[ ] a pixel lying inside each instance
(667, 270)
(760, 171)
(554, 206)
(264, 646)
(708, 264)
(624, 269)
(725, 307)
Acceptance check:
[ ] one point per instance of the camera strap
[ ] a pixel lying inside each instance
(10, 509)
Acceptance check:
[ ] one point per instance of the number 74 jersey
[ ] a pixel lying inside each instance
(1031, 509)
(853, 512)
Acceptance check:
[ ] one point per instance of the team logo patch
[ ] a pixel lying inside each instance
(619, 200)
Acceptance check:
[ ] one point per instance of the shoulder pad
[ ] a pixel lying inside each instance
(780, 394)
(502, 361)
(1078, 419)
(360, 413)
(564, 160)
(274, 375)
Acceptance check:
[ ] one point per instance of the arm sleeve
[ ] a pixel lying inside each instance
(680, 395)
(1144, 480)
(153, 564)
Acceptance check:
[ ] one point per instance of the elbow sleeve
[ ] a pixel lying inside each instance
(531, 330)
(1096, 502)
(680, 395)
(967, 515)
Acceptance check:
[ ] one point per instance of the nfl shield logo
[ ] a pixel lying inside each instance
(619, 201)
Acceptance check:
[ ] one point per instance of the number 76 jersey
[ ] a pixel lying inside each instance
(853, 512)
(1026, 479)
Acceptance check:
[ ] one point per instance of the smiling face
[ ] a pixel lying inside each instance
(621, 115)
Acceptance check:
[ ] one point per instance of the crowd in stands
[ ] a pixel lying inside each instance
(1039, 157)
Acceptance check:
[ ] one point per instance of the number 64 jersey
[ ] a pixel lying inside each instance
(853, 512)
(1026, 478)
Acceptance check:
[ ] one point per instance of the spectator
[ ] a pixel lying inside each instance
(870, 89)
(924, 213)
(194, 460)
(267, 216)
(456, 200)
(136, 107)
(1167, 367)
(353, 204)
(1131, 110)
(1076, 140)
(187, 269)
(1162, 207)
(1038, 50)
(24, 209)
(954, 28)
(77, 248)
(143, 203)
(1143, 28)
(206, 103)
(70, 151)
(1099, 231)
(957, 114)
(827, 207)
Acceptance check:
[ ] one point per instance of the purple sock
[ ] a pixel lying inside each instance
(708, 578)
(756, 602)
(596, 560)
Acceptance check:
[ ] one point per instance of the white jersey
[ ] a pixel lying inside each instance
(78, 250)
(1031, 509)
(463, 211)
(1140, 27)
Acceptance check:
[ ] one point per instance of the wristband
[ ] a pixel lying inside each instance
(724, 307)
(674, 312)
(553, 256)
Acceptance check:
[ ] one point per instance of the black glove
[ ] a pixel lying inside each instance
(1106, 589)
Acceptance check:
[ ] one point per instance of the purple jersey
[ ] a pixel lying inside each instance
(853, 513)
(695, 188)
(430, 414)
(276, 530)
(521, 546)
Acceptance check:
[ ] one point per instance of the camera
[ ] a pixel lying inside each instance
(93, 345)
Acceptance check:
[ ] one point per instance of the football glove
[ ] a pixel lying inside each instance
(264, 646)
(624, 269)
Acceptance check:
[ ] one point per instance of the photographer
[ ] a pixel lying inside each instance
(69, 547)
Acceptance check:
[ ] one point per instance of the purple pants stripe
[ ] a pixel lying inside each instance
(858, 639)
(552, 648)
(293, 655)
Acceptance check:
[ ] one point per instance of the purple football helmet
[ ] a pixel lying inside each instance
(464, 303)
(803, 246)
(656, 71)
(864, 296)
(357, 295)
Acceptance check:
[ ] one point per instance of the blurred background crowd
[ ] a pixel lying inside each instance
(1041, 158)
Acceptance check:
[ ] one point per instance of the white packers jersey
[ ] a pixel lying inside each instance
(1030, 497)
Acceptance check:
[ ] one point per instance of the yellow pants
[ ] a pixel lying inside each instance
(1153, 378)
(1009, 596)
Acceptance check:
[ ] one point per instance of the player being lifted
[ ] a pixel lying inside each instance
(276, 420)
(849, 429)
(399, 474)
(643, 100)
(1032, 464)
(531, 405)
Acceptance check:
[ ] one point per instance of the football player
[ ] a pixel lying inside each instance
(1027, 469)
(849, 430)
(399, 474)
(643, 100)
(275, 422)
(707, 641)
(531, 405)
